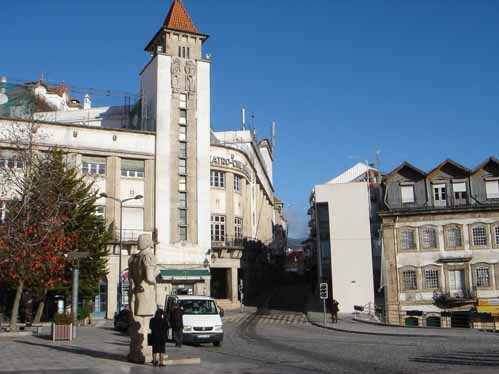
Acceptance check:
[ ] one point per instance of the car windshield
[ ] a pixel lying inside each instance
(199, 306)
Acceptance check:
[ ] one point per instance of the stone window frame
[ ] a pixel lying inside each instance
(489, 267)
(399, 239)
(416, 277)
(438, 269)
(237, 186)
(446, 239)
(465, 267)
(407, 185)
(487, 232)
(494, 234)
(218, 179)
(421, 241)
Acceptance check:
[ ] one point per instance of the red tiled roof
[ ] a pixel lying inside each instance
(178, 18)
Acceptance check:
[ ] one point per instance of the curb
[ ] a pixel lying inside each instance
(15, 334)
(183, 361)
(372, 333)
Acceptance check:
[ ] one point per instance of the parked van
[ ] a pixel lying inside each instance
(202, 318)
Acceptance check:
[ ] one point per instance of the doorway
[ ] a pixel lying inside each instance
(219, 283)
(456, 283)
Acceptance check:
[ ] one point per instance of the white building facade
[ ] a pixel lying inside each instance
(169, 159)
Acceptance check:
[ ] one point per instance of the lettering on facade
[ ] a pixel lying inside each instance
(232, 162)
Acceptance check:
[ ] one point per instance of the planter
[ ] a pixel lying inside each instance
(62, 332)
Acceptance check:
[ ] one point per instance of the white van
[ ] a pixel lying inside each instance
(202, 318)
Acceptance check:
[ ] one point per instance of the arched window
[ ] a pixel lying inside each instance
(433, 321)
(453, 237)
(411, 321)
(428, 237)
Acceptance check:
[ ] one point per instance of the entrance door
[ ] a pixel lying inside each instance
(439, 195)
(456, 283)
(219, 283)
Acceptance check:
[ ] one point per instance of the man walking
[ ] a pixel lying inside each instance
(334, 311)
(177, 325)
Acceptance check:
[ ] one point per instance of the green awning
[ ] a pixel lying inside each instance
(185, 274)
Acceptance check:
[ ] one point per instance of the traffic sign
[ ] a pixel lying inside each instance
(323, 291)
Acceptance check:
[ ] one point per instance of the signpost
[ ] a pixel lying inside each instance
(241, 294)
(324, 294)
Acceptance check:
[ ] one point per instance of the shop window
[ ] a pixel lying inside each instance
(433, 322)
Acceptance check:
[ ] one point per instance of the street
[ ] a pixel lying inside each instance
(272, 341)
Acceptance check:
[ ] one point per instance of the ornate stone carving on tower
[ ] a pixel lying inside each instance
(177, 81)
(190, 76)
(142, 295)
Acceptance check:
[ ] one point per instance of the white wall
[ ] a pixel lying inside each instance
(350, 238)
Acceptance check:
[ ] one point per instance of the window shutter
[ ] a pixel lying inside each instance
(492, 188)
(459, 187)
(407, 194)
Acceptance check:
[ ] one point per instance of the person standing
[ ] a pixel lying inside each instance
(159, 327)
(334, 310)
(177, 323)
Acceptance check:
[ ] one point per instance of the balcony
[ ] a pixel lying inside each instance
(230, 247)
(477, 202)
(450, 299)
(127, 236)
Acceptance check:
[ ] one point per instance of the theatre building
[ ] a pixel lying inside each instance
(203, 195)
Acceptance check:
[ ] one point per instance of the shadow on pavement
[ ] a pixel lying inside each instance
(79, 350)
(490, 359)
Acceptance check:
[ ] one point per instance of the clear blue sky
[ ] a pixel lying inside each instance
(416, 79)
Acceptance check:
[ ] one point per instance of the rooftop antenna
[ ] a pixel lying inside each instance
(273, 134)
(243, 118)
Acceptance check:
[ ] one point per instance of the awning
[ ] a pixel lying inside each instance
(492, 309)
(185, 274)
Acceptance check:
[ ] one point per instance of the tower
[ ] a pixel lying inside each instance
(175, 86)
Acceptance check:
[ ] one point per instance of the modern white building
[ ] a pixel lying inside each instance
(343, 225)
(205, 194)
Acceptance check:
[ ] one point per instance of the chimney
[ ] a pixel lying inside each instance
(87, 103)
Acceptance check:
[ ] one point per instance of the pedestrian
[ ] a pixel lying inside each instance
(159, 329)
(177, 323)
(334, 310)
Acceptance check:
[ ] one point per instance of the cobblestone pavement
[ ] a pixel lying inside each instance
(252, 345)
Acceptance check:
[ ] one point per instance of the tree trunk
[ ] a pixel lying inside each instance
(41, 306)
(15, 306)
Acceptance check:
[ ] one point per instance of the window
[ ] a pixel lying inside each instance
(182, 217)
(237, 183)
(492, 188)
(238, 227)
(217, 179)
(440, 195)
(496, 235)
(217, 228)
(132, 168)
(182, 166)
(407, 194)
(100, 211)
(409, 279)
(93, 165)
(183, 101)
(183, 52)
(11, 164)
(479, 234)
(182, 183)
(460, 195)
(182, 233)
(482, 276)
(431, 278)
(428, 238)
(407, 239)
(183, 150)
(454, 237)
(179, 51)
(188, 52)
(182, 133)
(182, 200)
(183, 117)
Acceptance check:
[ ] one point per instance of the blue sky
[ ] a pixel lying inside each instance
(417, 80)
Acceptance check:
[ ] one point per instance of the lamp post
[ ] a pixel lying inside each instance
(121, 202)
(75, 257)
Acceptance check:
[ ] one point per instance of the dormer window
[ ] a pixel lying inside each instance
(407, 192)
(460, 195)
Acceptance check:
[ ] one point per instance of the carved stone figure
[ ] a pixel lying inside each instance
(190, 76)
(176, 75)
(142, 271)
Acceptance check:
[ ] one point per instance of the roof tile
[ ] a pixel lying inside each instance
(178, 18)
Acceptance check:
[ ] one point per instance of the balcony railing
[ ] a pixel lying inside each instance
(476, 202)
(446, 298)
(128, 235)
(228, 242)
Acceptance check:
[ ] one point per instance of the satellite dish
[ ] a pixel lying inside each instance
(3, 99)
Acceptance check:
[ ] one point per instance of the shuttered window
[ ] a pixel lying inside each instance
(407, 194)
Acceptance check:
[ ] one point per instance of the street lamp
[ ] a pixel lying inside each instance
(121, 202)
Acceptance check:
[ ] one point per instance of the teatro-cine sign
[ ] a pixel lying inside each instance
(231, 162)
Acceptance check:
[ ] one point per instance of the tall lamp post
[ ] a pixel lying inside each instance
(121, 202)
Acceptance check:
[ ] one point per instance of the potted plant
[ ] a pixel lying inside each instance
(62, 327)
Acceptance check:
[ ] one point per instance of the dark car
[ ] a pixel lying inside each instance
(122, 320)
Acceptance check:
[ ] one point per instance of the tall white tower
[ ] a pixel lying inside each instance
(176, 104)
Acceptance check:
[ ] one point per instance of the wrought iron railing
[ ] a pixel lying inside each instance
(227, 241)
(444, 298)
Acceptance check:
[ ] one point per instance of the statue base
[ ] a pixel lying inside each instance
(140, 352)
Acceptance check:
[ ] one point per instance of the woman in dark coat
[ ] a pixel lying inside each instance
(159, 329)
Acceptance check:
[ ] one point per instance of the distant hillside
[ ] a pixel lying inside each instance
(295, 243)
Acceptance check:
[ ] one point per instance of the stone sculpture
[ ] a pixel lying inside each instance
(142, 272)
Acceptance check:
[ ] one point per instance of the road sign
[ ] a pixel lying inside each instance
(323, 291)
